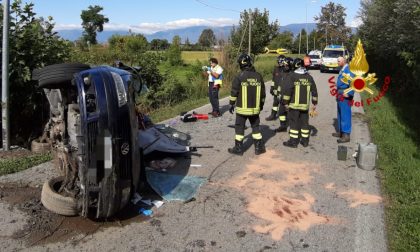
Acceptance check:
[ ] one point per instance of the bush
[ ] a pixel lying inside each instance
(33, 44)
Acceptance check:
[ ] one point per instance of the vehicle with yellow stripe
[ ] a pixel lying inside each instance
(329, 58)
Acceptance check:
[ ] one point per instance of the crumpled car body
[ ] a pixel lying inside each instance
(93, 131)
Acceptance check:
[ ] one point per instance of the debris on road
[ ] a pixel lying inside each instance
(145, 212)
(162, 165)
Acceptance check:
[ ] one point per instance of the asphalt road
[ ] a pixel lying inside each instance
(300, 199)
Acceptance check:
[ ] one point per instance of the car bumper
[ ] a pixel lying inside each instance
(329, 68)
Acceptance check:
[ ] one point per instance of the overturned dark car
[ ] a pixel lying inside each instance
(93, 132)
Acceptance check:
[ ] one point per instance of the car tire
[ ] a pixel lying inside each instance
(56, 202)
(59, 75)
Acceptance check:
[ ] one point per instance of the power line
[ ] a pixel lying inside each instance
(214, 7)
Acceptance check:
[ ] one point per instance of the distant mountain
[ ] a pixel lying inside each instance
(296, 28)
(192, 33)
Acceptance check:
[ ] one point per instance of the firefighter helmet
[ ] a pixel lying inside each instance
(281, 60)
(244, 60)
(297, 63)
(288, 63)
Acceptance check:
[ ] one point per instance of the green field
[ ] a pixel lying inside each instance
(396, 134)
(192, 56)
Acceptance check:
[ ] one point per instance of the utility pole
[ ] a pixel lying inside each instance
(249, 33)
(5, 78)
(300, 40)
(306, 28)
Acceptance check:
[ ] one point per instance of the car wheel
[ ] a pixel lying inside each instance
(56, 202)
(59, 75)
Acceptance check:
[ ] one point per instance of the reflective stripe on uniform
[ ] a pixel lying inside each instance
(239, 138)
(247, 111)
(244, 96)
(231, 98)
(304, 133)
(282, 118)
(275, 108)
(286, 97)
(299, 106)
(294, 133)
(297, 95)
(258, 96)
(257, 136)
(308, 96)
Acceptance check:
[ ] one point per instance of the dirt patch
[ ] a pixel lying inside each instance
(15, 153)
(357, 198)
(269, 183)
(44, 227)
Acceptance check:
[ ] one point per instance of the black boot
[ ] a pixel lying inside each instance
(292, 143)
(344, 138)
(282, 128)
(259, 147)
(272, 117)
(238, 149)
(336, 134)
(304, 141)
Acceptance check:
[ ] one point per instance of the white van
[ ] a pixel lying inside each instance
(315, 58)
(329, 59)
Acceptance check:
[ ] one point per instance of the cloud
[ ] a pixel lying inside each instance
(149, 28)
(60, 27)
(356, 22)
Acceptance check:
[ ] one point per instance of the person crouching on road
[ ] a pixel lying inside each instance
(277, 77)
(300, 87)
(343, 104)
(215, 75)
(248, 94)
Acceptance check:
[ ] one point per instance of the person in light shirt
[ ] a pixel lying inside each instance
(215, 81)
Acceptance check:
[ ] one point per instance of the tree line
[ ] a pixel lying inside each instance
(34, 44)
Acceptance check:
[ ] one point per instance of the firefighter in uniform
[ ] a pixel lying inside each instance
(300, 87)
(248, 94)
(281, 79)
(277, 77)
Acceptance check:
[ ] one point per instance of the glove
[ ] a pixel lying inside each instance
(272, 90)
(231, 109)
(313, 112)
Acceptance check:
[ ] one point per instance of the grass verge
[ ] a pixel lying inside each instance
(394, 128)
(169, 112)
(22, 163)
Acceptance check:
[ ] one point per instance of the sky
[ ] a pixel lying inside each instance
(157, 15)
